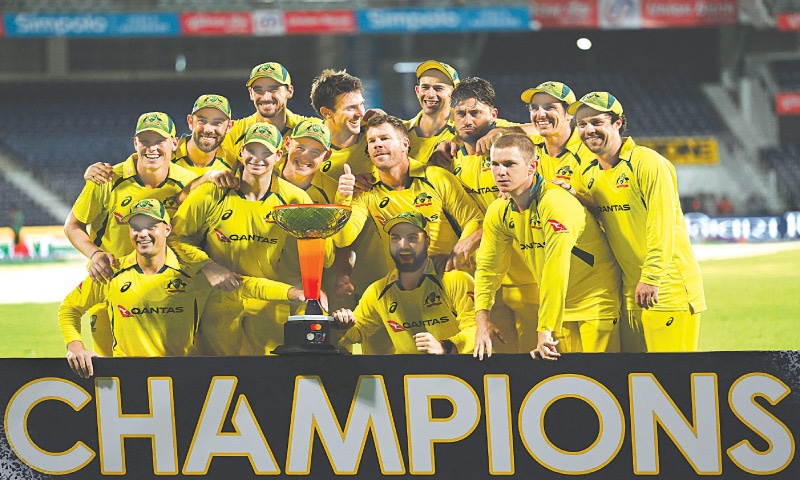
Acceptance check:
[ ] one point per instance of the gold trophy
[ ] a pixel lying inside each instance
(311, 224)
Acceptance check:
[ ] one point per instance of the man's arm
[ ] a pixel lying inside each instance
(70, 311)
(101, 264)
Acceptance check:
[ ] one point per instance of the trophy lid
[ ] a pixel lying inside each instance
(311, 220)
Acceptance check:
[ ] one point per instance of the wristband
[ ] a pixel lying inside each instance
(95, 253)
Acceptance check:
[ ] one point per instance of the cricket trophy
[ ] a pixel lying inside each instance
(311, 224)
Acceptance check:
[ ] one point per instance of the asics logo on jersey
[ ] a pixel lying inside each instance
(125, 287)
(227, 214)
(670, 320)
(384, 202)
(433, 300)
(393, 307)
(457, 171)
(221, 236)
(126, 201)
(623, 181)
(591, 182)
(423, 200)
(176, 286)
(613, 208)
(326, 166)
(511, 225)
(396, 327)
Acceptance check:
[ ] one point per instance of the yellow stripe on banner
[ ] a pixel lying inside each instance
(684, 150)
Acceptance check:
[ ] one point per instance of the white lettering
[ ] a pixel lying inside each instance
(498, 424)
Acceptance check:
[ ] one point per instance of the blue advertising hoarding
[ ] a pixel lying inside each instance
(403, 20)
(91, 25)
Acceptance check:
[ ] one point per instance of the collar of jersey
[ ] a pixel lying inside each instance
(428, 272)
(538, 183)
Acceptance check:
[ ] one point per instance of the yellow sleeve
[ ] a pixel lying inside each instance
(358, 217)
(76, 303)
(493, 257)
(659, 192)
(264, 289)
(457, 203)
(90, 202)
(190, 223)
(563, 222)
(368, 319)
(460, 289)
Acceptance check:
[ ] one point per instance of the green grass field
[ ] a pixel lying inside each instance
(753, 304)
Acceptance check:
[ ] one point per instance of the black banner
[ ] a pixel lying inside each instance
(727, 414)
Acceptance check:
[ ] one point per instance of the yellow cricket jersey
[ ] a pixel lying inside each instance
(434, 192)
(442, 305)
(233, 140)
(240, 234)
(322, 189)
(637, 201)
(103, 207)
(151, 315)
(223, 159)
(562, 244)
(566, 166)
(355, 155)
(423, 147)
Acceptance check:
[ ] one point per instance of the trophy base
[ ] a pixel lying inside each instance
(307, 335)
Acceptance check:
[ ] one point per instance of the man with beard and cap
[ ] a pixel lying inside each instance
(422, 311)
(434, 123)
(201, 151)
(270, 88)
(635, 191)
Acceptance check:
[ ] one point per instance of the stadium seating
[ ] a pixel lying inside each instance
(34, 216)
(786, 73)
(785, 161)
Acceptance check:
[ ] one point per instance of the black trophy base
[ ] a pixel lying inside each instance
(307, 335)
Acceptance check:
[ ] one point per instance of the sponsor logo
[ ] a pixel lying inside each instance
(536, 224)
(145, 310)
(557, 226)
(227, 214)
(526, 246)
(326, 166)
(396, 327)
(384, 202)
(623, 181)
(125, 287)
(511, 225)
(176, 286)
(482, 190)
(670, 320)
(126, 201)
(613, 208)
(423, 200)
(564, 173)
(486, 164)
(171, 203)
(268, 218)
(93, 322)
(248, 238)
(393, 307)
(457, 170)
(426, 322)
(471, 295)
(80, 287)
(591, 182)
(221, 236)
(118, 218)
(124, 311)
(432, 300)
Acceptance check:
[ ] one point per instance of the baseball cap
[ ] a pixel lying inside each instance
(451, 72)
(264, 133)
(314, 129)
(556, 89)
(414, 218)
(272, 70)
(158, 122)
(212, 101)
(150, 207)
(600, 101)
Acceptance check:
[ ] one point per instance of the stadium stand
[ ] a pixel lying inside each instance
(786, 73)
(785, 161)
(34, 216)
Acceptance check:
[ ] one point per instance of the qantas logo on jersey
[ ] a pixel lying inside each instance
(613, 208)
(471, 295)
(145, 310)
(433, 300)
(482, 190)
(623, 181)
(119, 218)
(526, 246)
(558, 227)
(426, 322)
(423, 200)
(124, 311)
(396, 327)
(176, 286)
(221, 236)
(564, 173)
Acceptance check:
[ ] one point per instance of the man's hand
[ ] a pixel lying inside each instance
(98, 173)
(80, 359)
(646, 295)
(484, 144)
(222, 178)
(220, 277)
(427, 343)
(484, 333)
(296, 295)
(101, 266)
(344, 316)
(364, 182)
(371, 113)
(546, 347)
(461, 258)
(347, 183)
(343, 286)
(566, 186)
(441, 158)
